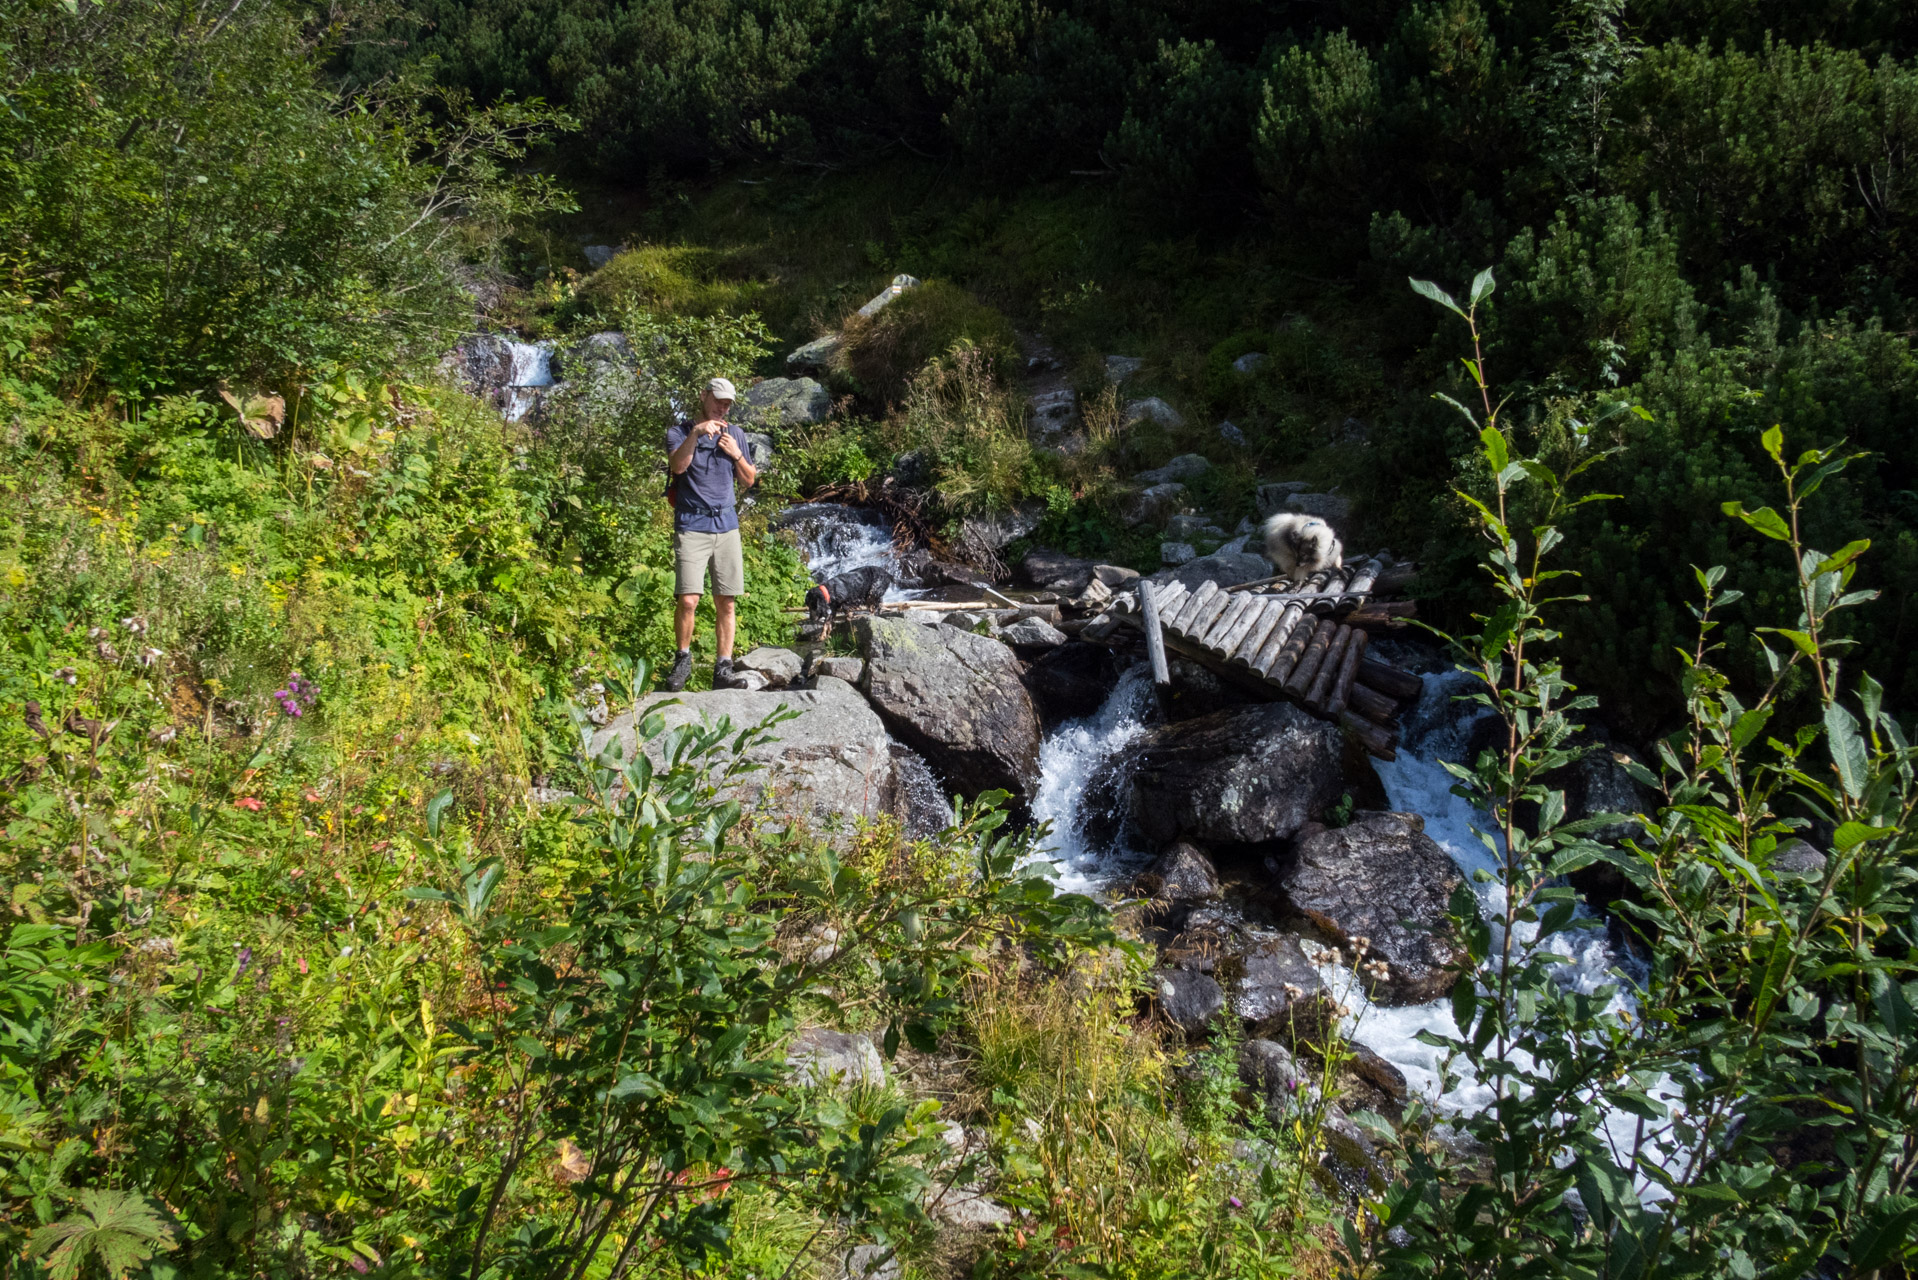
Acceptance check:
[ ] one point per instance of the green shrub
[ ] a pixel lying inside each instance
(886, 352)
(674, 280)
(170, 228)
(973, 432)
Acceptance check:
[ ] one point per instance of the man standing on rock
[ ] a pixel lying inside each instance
(705, 457)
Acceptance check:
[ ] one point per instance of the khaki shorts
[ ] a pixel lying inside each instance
(694, 552)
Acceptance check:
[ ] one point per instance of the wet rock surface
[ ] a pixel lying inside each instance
(1072, 680)
(1181, 874)
(957, 699)
(1245, 775)
(1277, 990)
(1384, 880)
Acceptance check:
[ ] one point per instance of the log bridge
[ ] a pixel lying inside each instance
(1301, 640)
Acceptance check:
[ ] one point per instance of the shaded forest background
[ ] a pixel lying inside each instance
(1702, 208)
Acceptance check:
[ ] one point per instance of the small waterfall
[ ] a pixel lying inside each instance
(1072, 757)
(835, 538)
(529, 372)
(1440, 729)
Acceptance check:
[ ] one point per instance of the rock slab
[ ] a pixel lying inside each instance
(819, 1055)
(831, 762)
(1244, 775)
(1382, 879)
(957, 699)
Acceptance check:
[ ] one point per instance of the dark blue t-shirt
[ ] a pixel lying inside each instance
(707, 480)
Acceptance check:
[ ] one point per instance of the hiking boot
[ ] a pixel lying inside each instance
(682, 671)
(723, 674)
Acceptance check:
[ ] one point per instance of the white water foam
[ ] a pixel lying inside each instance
(1437, 730)
(1068, 759)
(835, 539)
(529, 371)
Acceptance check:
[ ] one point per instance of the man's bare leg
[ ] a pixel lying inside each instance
(683, 621)
(724, 618)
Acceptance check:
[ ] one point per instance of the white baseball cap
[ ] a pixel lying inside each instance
(722, 389)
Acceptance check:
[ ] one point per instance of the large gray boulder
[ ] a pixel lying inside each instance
(1187, 466)
(1244, 775)
(1383, 880)
(1227, 568)
(884, 298)
(1277, 989)
(1056, 571)
(1153, 504)
(833, 762)
(784, 402)
(1271, 498)
(957, 699)
(1326, 506)
(822, 1056)
(816, 356)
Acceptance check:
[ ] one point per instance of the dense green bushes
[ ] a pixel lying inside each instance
(181, 202)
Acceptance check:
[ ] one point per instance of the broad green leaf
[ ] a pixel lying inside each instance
(1426, 289)
(1774, 442)
(1843, 556)
(1850, 835)
(434, 808)
(1847, 750)
(1482, 286)
(1765, 520)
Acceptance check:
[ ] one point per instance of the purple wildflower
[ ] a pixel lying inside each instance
(298, 692)
(1234, 1202)
(246, 958)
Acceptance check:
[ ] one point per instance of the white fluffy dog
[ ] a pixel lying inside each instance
(1301, 544)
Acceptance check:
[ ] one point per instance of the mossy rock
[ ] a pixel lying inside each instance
(884, 351)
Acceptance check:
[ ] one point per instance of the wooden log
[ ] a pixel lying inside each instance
(1402, 685)
(1381, 615)
(1301, 678)
(1377, 739)
(1234, 622)
(1154, 638)
(1374, 706)
(1318, 695)
(1362, 578)
(1241, 633)
(1395, 578)
(1182, 620)
(1287, 659)
(1256, 583)
(1171, 597)
(1207, 613)
(1215, 635)
(1348, 672)
(1268, 652)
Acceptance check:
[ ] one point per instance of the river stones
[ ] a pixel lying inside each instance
(1384, 880)
(957, 699)
(833, 762)
(1181, 874)
(1275, 990)
(780, 666)
(1056, 571)
(1189, 1000)
(1244, 775)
